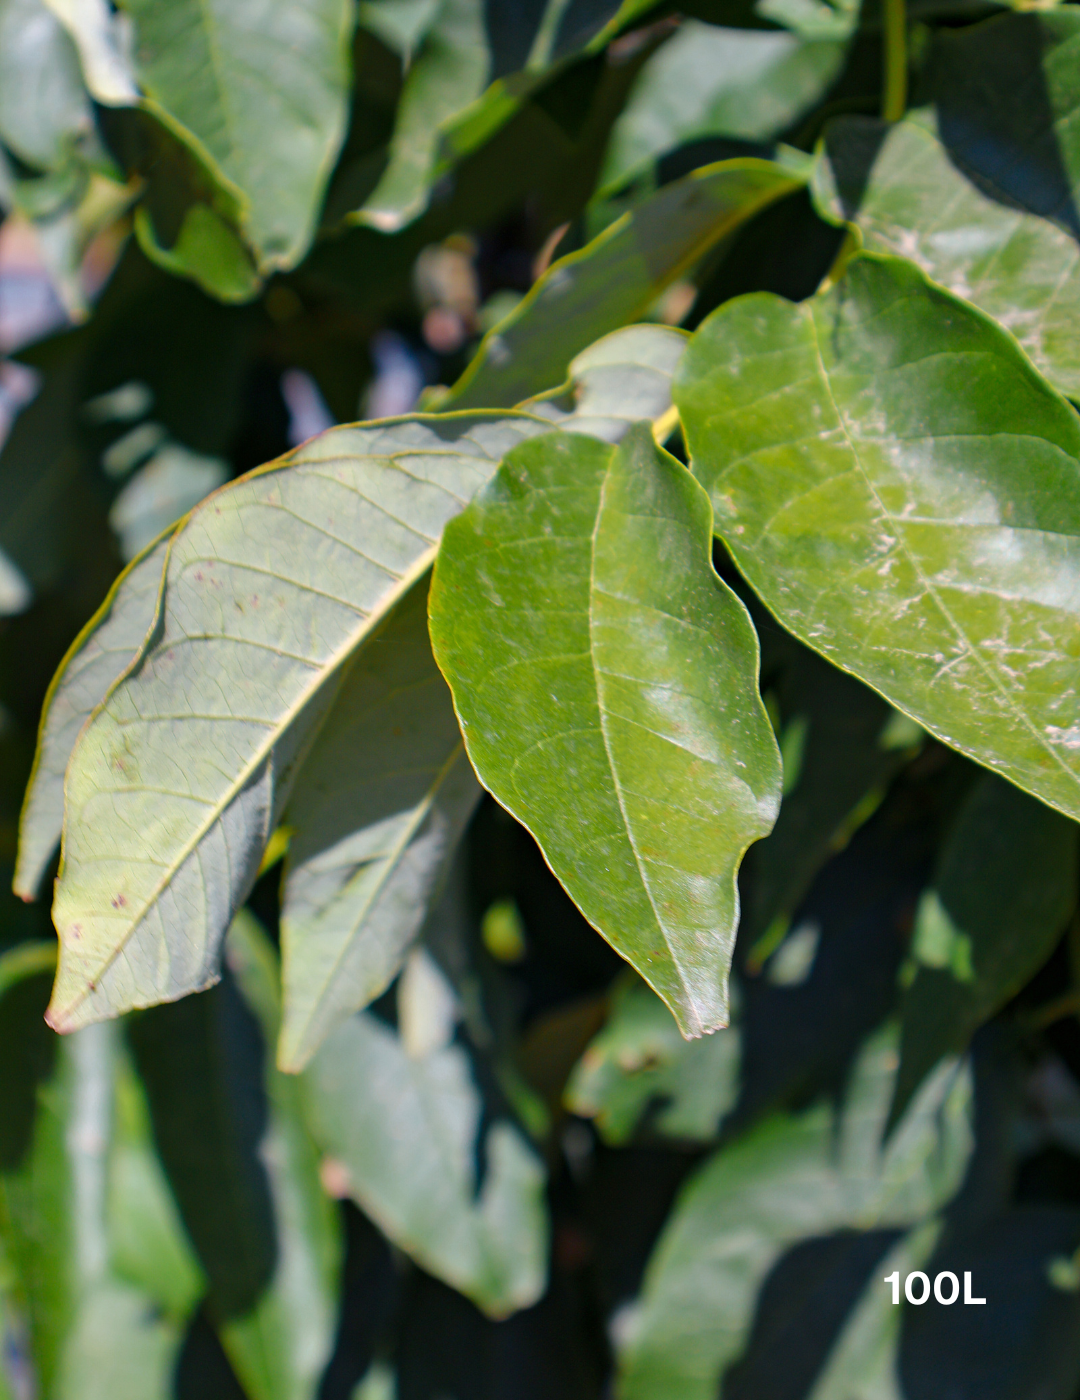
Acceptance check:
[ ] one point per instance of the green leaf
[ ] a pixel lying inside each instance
(615, 278)
(261, 91)
(708, 81)
(175, 786)
(94, 1331)
(900, 487)
(402, 1130)
(99, 655)
(245, 1173)
(281, 1350)
(378, 812)
(44, 108)
(788, 1179)
(639, 1060)
(981, 190)
(610, 702)
(863, 1361)
(448, 74)
(1005, 885)
(385, 793)
(99, 36)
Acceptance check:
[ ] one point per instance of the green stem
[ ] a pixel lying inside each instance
(895, 98)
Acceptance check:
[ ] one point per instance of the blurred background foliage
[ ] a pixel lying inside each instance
(229, 225)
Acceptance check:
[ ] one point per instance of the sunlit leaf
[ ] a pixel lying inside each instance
(262, 91)
(271, 586)
(383, 797)
(901, 489)
(610, 701)
(980, 190)
(103, 650)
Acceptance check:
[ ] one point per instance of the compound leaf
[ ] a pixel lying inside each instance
(606, 683)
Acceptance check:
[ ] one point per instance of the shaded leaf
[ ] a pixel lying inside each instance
(1005, 885)
(639, 1062)
(259, 90)
(378, 811)
(790, 1178)
(463, 1195)
(615, 278)
(981, 190)
(175, 786)
(93, 1331)
(901, 489)
(597, 688)
(709, 81)
(44, 108)
(99, 655)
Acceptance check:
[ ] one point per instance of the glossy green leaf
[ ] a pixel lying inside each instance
(901, 489)
(980, 190)
(402, 1132)
(1005, 885)
(639, 1063)
(261, 90)
(271, 585)
(708, 81)
(606, 683)
(788, 1179)
(615, 278)
(99, 655)
(385, 793)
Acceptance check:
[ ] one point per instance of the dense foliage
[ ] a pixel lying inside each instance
(563, 887)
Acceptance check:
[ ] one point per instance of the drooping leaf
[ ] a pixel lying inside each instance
(410, 1138)
(272, 584)
(789, 1179)
(381, 804)
(902, 491)
(262, 91)
(385, 793)
(710, 81)
(981, 189)
(615, 278)
(639, 1062)
(1005, 885)
(605, 680)
(102, 651)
